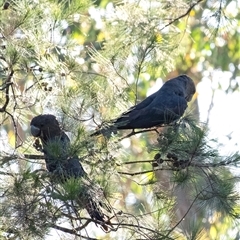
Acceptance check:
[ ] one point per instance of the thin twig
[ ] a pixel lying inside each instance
(184, 216)
(8, 84)
(137, 162)
(141, 131)
(33, 156)
(181, 16)
(71, 231)
(146, 52)
(138, 173)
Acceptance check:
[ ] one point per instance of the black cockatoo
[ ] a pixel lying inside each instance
(59, 160)
(163, 107)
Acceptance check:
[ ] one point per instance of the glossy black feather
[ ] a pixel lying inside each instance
(165, 106)
(63, 165)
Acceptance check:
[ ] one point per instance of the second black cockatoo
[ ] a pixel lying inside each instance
(60, 162)
(165, 106)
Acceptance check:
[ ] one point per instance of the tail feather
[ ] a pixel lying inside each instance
(92, 199)
(96, 214)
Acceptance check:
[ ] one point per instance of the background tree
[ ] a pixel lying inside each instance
(86, 63)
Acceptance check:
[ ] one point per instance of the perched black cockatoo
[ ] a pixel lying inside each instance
(163, 107)
(60, 162)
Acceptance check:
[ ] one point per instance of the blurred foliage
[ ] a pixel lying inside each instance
(87, 61)
(214, 42)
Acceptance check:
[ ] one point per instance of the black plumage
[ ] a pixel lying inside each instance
(63, 164)
(165, 106)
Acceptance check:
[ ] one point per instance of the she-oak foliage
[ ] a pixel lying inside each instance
(53, 59)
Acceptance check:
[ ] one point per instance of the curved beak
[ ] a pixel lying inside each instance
(35, 131)
(189, 97)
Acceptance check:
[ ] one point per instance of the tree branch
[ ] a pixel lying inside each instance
(183, 15)
(8, 84)
(71, 231)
